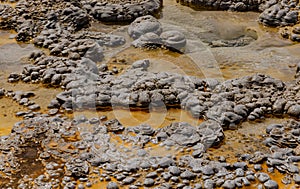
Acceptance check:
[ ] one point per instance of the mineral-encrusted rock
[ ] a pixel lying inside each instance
(114, 126)
(271, 184)
(285, 135)
(280, 13)
(144, 129)
(208, 133)
(147, 32)
(291, 32)
(113, 11)
(182, 133)
(173, 39)
(143, 25)
(77, 168)
(147, 39)
(224, 5)
(242, 41)
(112, 185)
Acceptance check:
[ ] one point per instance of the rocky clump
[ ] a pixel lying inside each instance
(274, 13)
(136, 87)
(280, 13)
(249, 97)
(74, 46)
(147, 31)
(66, 153)
(58, 71)
(234, 5)
(209, 133)
(64, 17)
(284, 135)
(47, 70)
(112, 11)
(292, 33)
(241, 41)
(290, 101)
(6, 14)
(228, 103)
(71, 154)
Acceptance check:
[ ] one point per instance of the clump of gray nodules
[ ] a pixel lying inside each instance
(69, 17)
(280, 13)
(274, 12)
(291, 32)
(147, 31)
(229, 103)
(143, 25)
(241, 41)
(93, 149)
(234, 5)
(68, 56)
(51, 135)
(113, 11)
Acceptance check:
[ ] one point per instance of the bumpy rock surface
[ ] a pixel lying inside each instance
(143, 25)
(228, 103)
(108, 10)
(70, 153)
(225, 5)
(274, 12)
(280, 13)
(59, 147)
(65, 150)
(37, 16)
(291, 32)
(147, 31)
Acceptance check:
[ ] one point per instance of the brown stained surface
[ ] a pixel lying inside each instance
(243, 70)
(8, 109)
(29, 168)
(29, 165)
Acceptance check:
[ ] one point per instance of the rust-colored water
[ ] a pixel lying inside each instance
(161, 60)
(155, 118)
